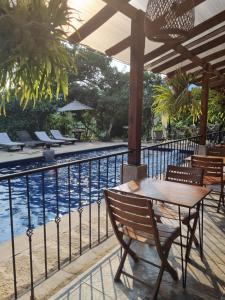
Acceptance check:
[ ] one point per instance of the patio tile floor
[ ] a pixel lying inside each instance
(205, 281)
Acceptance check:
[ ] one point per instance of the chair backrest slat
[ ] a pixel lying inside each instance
(187, 175)
(131, 216)
(127, 207)
(212, 166)
(216, 151)
(133, 212)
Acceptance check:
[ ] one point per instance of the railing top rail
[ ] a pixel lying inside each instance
(61, 165)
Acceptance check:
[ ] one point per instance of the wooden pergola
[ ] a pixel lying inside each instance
(116, 27)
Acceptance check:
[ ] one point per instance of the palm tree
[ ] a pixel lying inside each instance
(174, 100)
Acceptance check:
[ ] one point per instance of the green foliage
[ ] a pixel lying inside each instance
(174, 99)
(61, 121)
(34, 56)
(150, 80)
(102, 87)
(31, 118)
(178, 102)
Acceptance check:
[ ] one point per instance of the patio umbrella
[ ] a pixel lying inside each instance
(74, 106)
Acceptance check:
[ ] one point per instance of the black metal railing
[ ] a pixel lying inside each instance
(35, 201)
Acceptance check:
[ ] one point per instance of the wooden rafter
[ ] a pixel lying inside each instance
(123, 7)
(93, 24)
(207, 58)
(216, 84)
(196, 42)
(122, 45)
(200, 49)
(206, 25)
(100, 18)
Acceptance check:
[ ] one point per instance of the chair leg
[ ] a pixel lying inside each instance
(123, 258)
(221, 201)
(158, 281)
(172, 271)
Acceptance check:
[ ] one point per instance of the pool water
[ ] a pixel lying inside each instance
(86, 186)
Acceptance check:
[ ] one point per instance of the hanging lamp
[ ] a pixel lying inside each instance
(163, 23)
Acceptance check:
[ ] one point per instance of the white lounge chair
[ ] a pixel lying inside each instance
(58, 136)
(7, 143)
(43, 137)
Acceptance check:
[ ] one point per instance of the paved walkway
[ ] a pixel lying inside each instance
(6, 156)
(206, 280)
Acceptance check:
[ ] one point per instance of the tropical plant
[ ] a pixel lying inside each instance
(34, 55)
(181, 102)
(174, 99)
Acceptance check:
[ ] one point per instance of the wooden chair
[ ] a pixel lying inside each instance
(213, 174)
(216, 151)
(187, 175)
(134, 217)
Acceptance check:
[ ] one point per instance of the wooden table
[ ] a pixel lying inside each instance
(182, 195)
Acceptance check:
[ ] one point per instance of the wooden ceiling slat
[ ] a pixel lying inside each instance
(190, 45)
(123, 7)
(122, 45)
(198, 80)
(205, 47)
(206, 25)
(207, 58)
(93, 24)
(218, 83)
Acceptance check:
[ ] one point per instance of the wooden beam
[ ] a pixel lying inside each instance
(189, 45)
(136, 89)
(92, 24)
(204, 108)
(123, 7)
(218, 83)
(198, 61)
(207, 58)
(202, 48)
(124, 44)
(206, 25)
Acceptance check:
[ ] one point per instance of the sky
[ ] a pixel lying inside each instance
(120, 66)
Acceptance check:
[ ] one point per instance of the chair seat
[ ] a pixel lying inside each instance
(210, 180)
(167, 234)
(165, 211)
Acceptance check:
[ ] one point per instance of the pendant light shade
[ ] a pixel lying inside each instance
(163, 23)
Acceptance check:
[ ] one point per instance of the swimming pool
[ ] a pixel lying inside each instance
(86, 181)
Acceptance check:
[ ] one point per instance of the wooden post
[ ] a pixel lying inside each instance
(136, 88)
(204, 108)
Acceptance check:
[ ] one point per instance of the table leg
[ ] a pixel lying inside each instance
(201, 246)
(181, 245)
(192, 231)
(187, 247)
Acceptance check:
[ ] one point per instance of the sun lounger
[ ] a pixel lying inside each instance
(43, 137)
(58, 136)
(26, 138)
(6, 142)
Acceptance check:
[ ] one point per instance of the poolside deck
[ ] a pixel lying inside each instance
(206, 280)
(27, 153)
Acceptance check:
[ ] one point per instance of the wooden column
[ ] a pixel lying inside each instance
(136, 88)
(204, 108)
